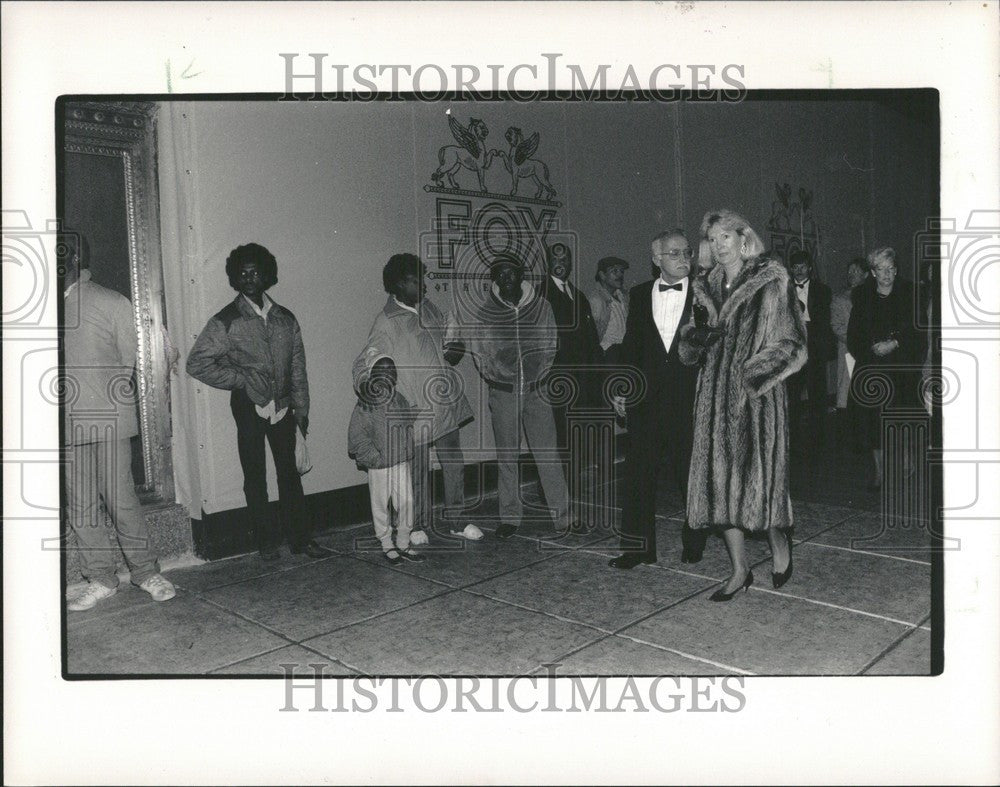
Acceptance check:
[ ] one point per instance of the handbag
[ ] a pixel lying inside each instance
(302, 462)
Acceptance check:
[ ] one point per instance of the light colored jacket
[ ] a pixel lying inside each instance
(415, 342)
(101, 343)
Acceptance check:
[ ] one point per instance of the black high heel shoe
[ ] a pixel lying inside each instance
(777, 580)
(720, 595)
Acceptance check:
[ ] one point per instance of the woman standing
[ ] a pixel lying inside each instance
(751, 338)
(882, 337)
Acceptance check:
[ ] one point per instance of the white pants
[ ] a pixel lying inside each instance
(392, 484)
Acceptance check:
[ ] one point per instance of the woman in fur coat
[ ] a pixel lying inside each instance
(748, 335)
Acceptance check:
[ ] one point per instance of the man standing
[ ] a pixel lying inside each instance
(660, 425)
(840, 317)
(814, 300)
(253, 347)
(609, 305)
(99, 419)
(578, 348)
(410, 330)
(513, 342)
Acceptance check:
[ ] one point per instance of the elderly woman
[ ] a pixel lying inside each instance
(748, 335)
(882, 337)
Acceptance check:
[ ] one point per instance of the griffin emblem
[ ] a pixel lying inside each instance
(520, 164)
(470, 152)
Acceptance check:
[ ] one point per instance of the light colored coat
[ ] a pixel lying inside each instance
(428, 382)
(739, 463)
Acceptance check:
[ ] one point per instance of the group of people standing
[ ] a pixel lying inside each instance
(720, 343)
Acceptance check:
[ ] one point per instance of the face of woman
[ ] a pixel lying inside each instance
(725, 244)
(885, 275)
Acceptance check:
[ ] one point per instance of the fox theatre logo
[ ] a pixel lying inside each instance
(488, 201)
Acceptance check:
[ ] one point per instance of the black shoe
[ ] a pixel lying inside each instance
(312, 549)
(720, 595)
(411, 556)
(393, 556)
(777, 580)
(269, 555)
(505, 531)
(630, 560)
(691, 555)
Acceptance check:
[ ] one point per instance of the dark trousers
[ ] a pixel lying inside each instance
(654, 438)
(251, 431)
(812, 378)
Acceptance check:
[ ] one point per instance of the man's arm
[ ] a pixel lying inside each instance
(300, 383)
(599, 308)
(208, 360)
(125, 335)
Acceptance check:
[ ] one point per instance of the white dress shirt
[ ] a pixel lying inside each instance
(667, 309)
(267, 411)
(803, 295)
(563, 286)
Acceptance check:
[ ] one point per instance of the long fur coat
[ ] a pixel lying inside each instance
(739, 463)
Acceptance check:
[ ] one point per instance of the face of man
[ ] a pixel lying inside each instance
(613, 277)
(559, 266)
(855, 275)
(411, 289)
(250, 281)
(508, 279)
(800, 272)
(673, 257)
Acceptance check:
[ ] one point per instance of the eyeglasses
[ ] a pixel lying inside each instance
(675, 254)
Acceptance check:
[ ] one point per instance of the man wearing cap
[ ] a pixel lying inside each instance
(661, 423)
(609, 305)
(512, 339)
(578, 346)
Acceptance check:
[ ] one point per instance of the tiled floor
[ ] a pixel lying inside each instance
(858, 602)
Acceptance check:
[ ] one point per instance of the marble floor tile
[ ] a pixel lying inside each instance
(269, 664)
(182, 636)
(128, 597)
(912, 656)
(871, 583)
(457, 634)
(621, 656)
(582, 587)
(769, 634)
(233, 569)
(872, 532)
(323, 595)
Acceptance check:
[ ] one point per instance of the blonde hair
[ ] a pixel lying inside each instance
(884, 254)
(734, 222)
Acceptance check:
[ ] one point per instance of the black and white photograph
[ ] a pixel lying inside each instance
(470, 387)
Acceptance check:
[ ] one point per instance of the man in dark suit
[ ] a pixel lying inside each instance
(578, 350)
(814, 300)
(661, 423)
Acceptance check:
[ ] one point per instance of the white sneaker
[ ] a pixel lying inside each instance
(418, 538)
(159, 588)
(470, 532)
(93, 593)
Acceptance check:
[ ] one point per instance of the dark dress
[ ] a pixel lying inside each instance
(888, 384)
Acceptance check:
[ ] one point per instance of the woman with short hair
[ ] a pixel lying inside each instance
(749, 337)
(882, 337)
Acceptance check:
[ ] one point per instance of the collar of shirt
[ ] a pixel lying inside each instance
(562, 285)
(402, 305)
(527, 291)
(261, 312)
(84, 276)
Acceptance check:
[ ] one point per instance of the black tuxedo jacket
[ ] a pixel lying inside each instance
(670, 385)
(578, 342)
(822, 343)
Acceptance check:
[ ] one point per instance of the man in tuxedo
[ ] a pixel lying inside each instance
(578, 349)
(661, 424)
(814, 300)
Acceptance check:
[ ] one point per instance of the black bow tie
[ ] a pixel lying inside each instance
(665, 287)
(800, 286)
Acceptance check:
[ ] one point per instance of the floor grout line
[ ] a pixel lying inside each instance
(691, 656)
(893, 645)
(864, 552)
(834, 606)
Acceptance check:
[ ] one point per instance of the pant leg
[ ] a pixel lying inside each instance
(117, 487)
(250, 435)
(97, 560)
(448, 448)
(281, 437)
(843, 378)
(423, 490)
(679, 445)
(378, 493)
(642, 462)
(507, 437)
(400, 489)
(540, 429)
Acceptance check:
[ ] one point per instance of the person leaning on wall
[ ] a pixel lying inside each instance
(253, 347)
